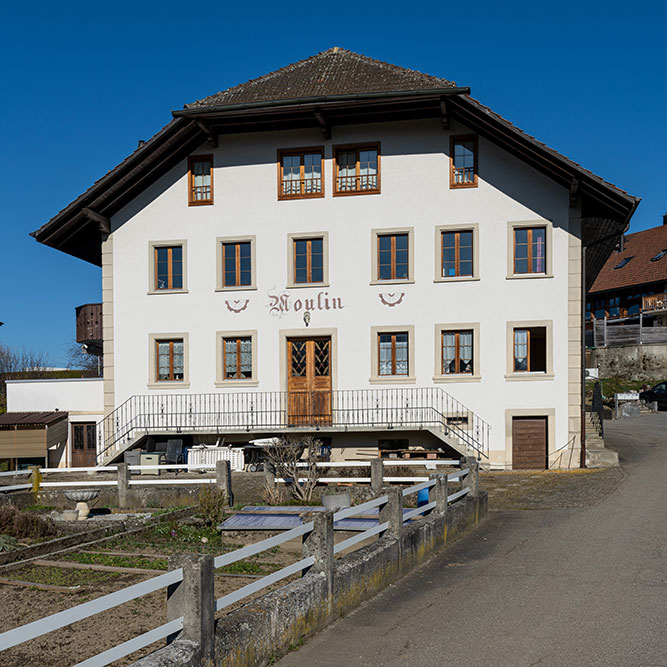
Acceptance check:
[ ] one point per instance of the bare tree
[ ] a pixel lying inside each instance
(285, 456)
(79, 359)
(19, 364)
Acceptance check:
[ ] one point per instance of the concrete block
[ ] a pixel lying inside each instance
(601, 458)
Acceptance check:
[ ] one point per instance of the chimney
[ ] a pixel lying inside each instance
(664, 218)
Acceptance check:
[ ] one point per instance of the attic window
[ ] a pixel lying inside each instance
(659, 256)
(623, 262)
(200, 180)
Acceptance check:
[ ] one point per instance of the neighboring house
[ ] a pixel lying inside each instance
(627, 303)
(348, 248)
(80, 401)
(32, 438)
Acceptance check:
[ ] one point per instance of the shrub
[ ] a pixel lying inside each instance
(212, 502)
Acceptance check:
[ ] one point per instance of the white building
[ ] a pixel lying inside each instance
(347, 247)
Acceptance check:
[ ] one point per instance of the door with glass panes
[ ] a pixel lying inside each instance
(83, 445)
(309, 381)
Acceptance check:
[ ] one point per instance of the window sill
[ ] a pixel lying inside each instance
(167, 291)
(237, 383)
(528, 377)
(302, 285)
(456, 279)
(318, 195)
(201, 203)
(352, 193)
(529, 276)
(239, 288)
(396, 379)
(408, 281)
(180, 384)
(457, 377)
(463, 186)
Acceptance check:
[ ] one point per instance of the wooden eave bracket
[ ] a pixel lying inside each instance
(324, 126)
(445, 114)
(211, 136)
(574, 191)
(102, 221)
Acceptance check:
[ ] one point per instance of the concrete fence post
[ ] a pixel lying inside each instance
(223, 479)
(377, 475)
(193, 599)
(392, 512)
(439, 493)
(269, 475)
(473, 477)
(319, 544)
(123, 473)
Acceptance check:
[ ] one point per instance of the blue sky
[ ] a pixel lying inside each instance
(82, 82)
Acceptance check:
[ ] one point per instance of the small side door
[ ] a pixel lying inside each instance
(83, 444)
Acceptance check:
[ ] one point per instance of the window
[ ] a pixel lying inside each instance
(457, 352)
(237, 264)
(392, 253)
(168, 267)
(530, 350)
(200, 180)
(238, 358)
(393, 354)
(659, 256)
(530, 254)
(357, 169)
(300, 173)
(463, 160)
(308, 260)
(170, 360)
(457, 250)
(623, 262)
(84, 436)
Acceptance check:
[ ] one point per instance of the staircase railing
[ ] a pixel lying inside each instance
(386, 408)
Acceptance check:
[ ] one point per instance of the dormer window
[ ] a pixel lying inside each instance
(200, 180)
(463, 162)
(659, 256)
(623, 262)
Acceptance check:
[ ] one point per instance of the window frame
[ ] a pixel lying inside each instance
(191, 160)
(511, 259)
(220, 241)
(358, 147)
(440, 230)
(375, 377)
(375, 255)
(453, 140)
(442, 328)
(220, 379)
(152, 264)
(282, 152)
(547, 374)
(171, 342)
(291, 259)
(153, 365)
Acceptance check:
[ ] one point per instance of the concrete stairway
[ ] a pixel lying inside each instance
(597, 455)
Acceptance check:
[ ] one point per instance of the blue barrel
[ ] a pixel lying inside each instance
(422, 497)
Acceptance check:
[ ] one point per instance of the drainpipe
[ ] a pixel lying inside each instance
(582, 450)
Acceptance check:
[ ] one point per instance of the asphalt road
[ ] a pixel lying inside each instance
(574, 587)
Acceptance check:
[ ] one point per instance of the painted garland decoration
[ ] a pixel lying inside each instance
(391, 299)
(235, 305)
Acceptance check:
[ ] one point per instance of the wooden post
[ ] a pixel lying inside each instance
(223, 479)
(641, 322)
(36, 479)
(604, 330)
(377, 475)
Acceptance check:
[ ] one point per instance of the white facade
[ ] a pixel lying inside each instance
(416, 197)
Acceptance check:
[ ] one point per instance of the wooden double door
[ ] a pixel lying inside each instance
(83, 444)
(309, 381)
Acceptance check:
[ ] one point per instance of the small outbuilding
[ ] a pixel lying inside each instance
(32, 438)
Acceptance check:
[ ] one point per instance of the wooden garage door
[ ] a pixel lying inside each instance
(529, 443)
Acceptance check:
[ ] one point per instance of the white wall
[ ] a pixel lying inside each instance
(416, 193)
(82, 395)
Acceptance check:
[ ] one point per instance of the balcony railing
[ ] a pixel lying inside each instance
(654, 302)
(362, 183)
(261, 412)
(301, 187)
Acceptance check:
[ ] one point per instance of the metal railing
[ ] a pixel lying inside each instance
(282, 411)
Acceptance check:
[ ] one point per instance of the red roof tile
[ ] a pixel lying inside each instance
(642, 247)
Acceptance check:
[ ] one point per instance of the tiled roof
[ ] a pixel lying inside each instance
(333, 72)
(642, 247)
(9, 419)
